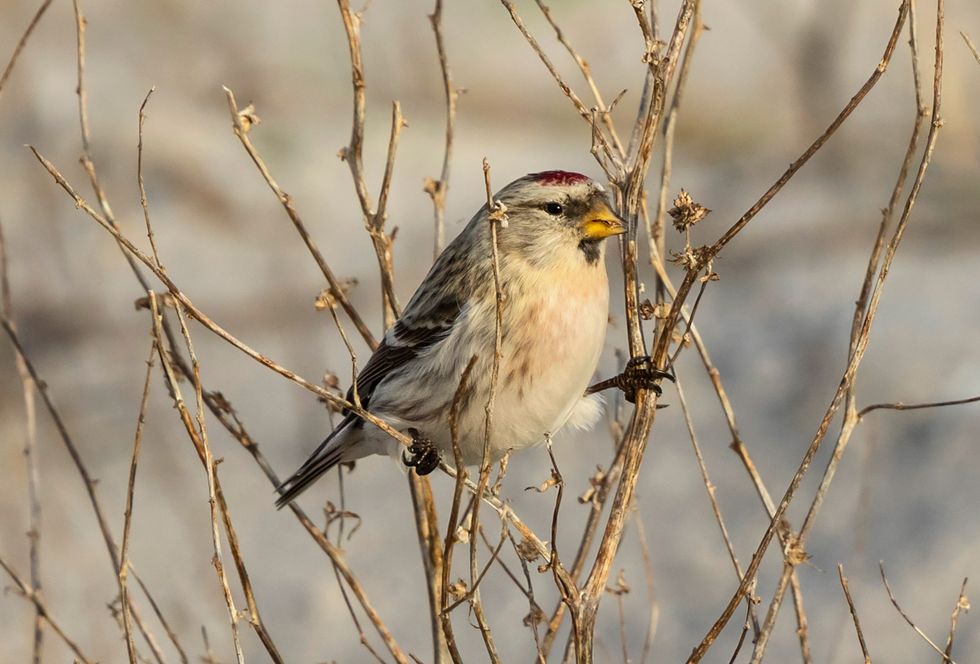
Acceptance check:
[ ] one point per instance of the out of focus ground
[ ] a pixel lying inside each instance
(767, 78)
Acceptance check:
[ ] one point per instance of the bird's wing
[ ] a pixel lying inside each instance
(426, 322)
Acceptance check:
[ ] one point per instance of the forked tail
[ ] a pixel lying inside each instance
(327, 455)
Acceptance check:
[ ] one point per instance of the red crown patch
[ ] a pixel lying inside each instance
(558, 177)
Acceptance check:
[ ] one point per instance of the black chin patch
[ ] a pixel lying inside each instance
(591, 250)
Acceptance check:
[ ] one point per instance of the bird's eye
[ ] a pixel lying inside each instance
(554, 209)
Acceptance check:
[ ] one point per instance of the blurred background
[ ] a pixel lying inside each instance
(767, 79)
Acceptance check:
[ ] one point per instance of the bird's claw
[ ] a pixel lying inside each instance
(422, 454)
(640, 373)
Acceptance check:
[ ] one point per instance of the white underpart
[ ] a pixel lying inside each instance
(586, 412)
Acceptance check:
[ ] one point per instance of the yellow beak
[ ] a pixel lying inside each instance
(600, 222)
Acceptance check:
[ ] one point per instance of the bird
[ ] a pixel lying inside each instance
(554, 316)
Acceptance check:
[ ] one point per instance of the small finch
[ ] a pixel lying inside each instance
(555, 312)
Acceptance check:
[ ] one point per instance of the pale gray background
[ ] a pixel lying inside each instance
(768, 77)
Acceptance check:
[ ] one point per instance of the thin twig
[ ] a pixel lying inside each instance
(437, 189)
(607, 151)
(452, 524)
(242, 122)
(604, 111)
(197, 435)
(962, 605)
(496, 217)
(630, 194)
(914, 406)
(25, 590)
(710, 488)
(22, 42)
(796, 551)
(128, 514)
(854, 615)
(139, 178)
(946, 658)
(655, 231)
(353, 154)
(200, 440)
(28, 391)
(426, 523)
(87, 479)
(970, 45)
(855, 359)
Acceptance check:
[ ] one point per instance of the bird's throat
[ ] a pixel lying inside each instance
(592, 250)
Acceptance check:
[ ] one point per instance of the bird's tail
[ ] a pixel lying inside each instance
(327, 455)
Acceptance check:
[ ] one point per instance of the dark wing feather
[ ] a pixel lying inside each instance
(414, 333)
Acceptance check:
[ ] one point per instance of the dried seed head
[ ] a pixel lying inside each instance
(693, 258)
(686, 212)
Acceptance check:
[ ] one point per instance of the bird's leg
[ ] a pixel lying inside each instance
(640, 373)
(422, 454)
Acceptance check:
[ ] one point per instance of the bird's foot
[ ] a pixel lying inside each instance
(640, 373)
(422, 454)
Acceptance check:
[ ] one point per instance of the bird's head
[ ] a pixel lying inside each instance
(557, 215)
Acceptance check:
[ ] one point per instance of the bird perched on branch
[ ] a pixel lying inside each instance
(554, 307)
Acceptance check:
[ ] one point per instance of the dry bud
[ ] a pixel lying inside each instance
(534, 617)
(686, 212)
(248, 118)
(431, 186)
(527, 551)
(458, 589)
(647, 309)
(326, 298)
(498, 214)
(621, 587)
(596, 482)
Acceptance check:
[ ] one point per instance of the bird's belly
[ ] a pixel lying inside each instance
(546, 365)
